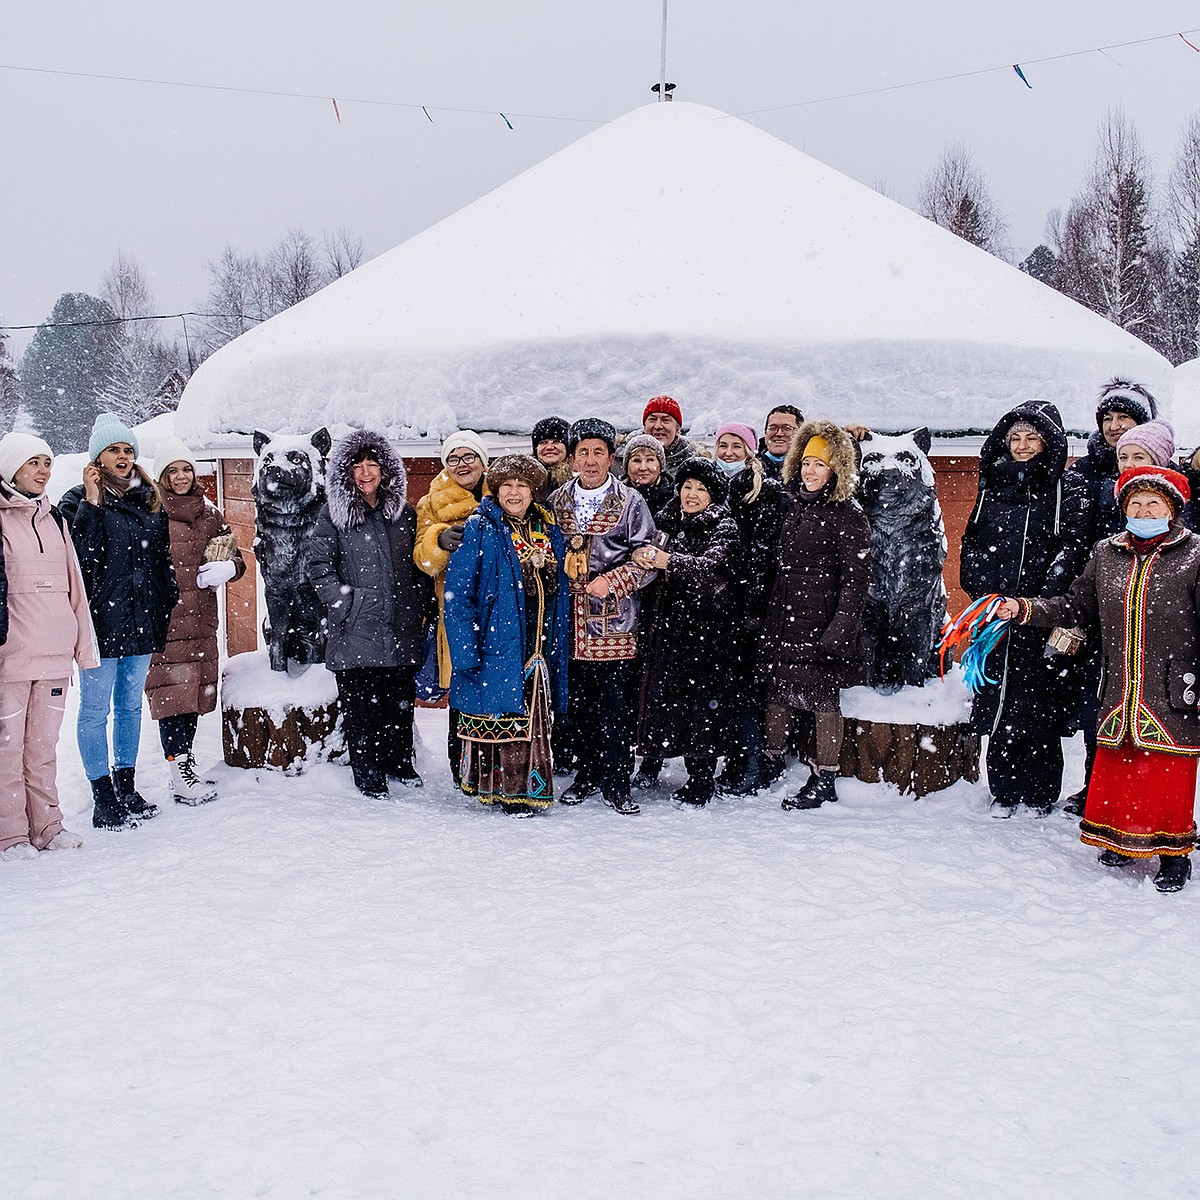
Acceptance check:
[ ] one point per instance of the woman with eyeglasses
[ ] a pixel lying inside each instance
(441, 514)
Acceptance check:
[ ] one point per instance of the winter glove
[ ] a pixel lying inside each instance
(213, 574)
(450, 538)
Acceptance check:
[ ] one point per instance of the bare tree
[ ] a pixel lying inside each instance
(1108, 246)
(124, 288)
(10, 393)
(343, 252)
(956, 196)
(247, 289)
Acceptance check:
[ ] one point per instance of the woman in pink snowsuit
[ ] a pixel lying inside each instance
(45, 609)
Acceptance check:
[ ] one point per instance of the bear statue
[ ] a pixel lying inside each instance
(288, 491)
(906, 606)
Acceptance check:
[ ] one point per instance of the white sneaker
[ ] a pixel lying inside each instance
(187, 788)
(64, 839)
(19, 851)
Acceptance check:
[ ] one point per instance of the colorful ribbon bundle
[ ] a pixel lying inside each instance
(974, 634)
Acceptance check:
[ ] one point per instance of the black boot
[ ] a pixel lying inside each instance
(129, 796)
(1111, 858)
(696, 791)
(405, 774)
(107, 810)
(623, 804)
(817, 791)
(1075, 803)
(1174, 870)
(579, 791)
(647, 774)
(370, 780)
(773, 766)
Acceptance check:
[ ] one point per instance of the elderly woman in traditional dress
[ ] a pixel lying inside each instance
(506, 622)
(1141, 590)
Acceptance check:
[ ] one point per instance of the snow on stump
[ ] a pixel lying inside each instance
(918, 739)
(284, 720)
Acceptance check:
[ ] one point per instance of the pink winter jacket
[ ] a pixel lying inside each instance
(49, 623)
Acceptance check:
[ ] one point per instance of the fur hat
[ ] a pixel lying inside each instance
(169, 450)
(743, 431)
(1124, 396)
(708, 473)
(841, 453)
(16, 449)
(107, 431)
(516, 466)
(549, 429)
(464, 439)
(1156, 437)
(663, 404)
(1171, 485)
(591, 427)
(347, 509)
(643, 441)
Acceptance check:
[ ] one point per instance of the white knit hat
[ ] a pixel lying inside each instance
(16, 449)
(464, 439)
(169, 450)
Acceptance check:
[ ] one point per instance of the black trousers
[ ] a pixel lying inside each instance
(1025, 767)
(377, 718)
(178, 733)
(601, 706)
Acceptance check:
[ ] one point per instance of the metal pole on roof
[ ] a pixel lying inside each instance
(662, 69)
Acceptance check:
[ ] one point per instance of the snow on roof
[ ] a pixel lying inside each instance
(674, 250)
(1186, 409)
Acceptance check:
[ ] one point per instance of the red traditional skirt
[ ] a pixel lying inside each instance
(1140, 803)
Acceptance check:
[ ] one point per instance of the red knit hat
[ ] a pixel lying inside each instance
(1171, 485)
(663, 404)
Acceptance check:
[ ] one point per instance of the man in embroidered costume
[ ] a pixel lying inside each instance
(603, 521)
(441, 514)
(1140, 592)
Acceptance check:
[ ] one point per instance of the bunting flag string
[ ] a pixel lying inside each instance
(1021, 76)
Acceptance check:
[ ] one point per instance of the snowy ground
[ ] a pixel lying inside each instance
(296, 992)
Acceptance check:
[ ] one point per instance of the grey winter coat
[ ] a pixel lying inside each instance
(362, 564)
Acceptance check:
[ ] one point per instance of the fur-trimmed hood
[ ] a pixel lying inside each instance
(347, 509)
(844, 461)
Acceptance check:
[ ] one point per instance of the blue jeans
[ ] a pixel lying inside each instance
(115, 685)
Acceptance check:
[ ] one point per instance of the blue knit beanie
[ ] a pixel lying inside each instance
(107, 431)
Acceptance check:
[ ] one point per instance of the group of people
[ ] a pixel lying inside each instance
(602, 599)
(118, 579)
(606, 600)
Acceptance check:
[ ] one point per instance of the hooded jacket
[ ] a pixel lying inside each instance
(183, 677)
(125, 555)
(1025, 521)
(810, 641)
(46, 606)
(362, 564)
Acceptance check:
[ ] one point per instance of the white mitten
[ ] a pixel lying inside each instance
(213, 574)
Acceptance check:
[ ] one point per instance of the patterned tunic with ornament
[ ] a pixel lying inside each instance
(1142, 599)
(604, 630)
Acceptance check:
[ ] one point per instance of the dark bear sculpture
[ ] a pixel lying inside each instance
(288, 490)
(906, 606)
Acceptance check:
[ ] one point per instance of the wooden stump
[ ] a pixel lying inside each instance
(917, 759)
(258, 737)
(280, 719)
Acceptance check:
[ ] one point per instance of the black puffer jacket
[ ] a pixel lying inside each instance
(362, 564)
(657, 495)
(124, 552)
(1090, 482)
(685, 641)
(1023, 523)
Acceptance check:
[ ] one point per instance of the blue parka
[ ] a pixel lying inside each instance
(485, 617)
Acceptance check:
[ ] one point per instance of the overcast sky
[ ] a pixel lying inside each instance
(171, 174)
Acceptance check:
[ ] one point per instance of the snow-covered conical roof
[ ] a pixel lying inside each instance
(674, 250)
